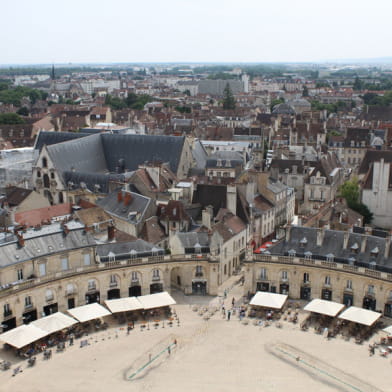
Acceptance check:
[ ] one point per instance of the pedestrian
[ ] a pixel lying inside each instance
(228, 315)
(168, 350)
(233, 301)
(223, 309)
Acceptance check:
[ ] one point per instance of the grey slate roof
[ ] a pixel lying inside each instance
(41, 246)
(84, 155)
(199, 155)
(333, 244)
(93, 179)
(138, 204)
(136, 149)
(189, 240)
(49, 138)
(125, 250)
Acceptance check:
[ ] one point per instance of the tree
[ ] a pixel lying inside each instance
(350, 191)
(275, 102)
(228, 98)
(10, 118)
(305, 91)
(357, 84)
(23, 111)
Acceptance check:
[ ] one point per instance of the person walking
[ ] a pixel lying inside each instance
(228, 315)
(233, 301)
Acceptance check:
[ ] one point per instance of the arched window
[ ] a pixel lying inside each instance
(225, 270)
(70, 289)
(284, 275)
(46, 181)
(306, 277)
(49, 296)
(38, 173)
(44, 162)
(61, 198)
(327, 281)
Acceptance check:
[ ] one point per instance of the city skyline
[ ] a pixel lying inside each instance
(194, 32)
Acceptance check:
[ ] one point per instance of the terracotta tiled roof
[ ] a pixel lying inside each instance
(39, 215)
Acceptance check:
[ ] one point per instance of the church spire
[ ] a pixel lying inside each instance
(52, 75)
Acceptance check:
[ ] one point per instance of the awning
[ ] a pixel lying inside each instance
(54, 322)
(322, 306)
(156, 300)
(123, 304)
(360, 316)
(268, 300)
(23, 335)
(88, 312)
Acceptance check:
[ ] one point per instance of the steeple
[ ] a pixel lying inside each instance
(52, 74)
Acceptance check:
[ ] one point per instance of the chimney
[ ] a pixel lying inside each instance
(206, 218)
(320, 237)
(231, 198)
(111, 232)
(127, 199)
(119, 196)
(387, 246)
(21, 241)
(346, 236)
(65, 229)
(288, 233)
(363, 243)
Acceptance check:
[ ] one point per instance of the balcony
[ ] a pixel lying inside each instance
(156, 278)
(199, 274)
(113, 284)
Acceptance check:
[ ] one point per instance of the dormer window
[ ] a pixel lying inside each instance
(375, 251)
(44, 162)
(291, 252)
(308, 255)
(330, 257)
(303, 242)
(355, 248)
(219, 162)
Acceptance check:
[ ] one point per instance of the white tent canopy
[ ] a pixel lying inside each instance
(388, 330)
(88, 312)
(322, 306)
(23, 335)
(268, 300)
(54, 322)
(123, 304)
(360, 316)
(156, 300)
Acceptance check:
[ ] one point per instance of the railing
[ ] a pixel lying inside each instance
(19, 286)
(324, 264)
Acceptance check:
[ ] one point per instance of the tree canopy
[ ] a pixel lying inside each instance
(10, 118)
(228, 98)
(350, 191)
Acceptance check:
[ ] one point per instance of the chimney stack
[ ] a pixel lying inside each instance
(363, 243)
(346, 236)
(288, 233)
(320, 236)
(387, 246)
(111, 232)
(21, 241)
(119, 196)
(127, 199)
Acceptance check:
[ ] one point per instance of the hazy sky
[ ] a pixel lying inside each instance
(43, 31)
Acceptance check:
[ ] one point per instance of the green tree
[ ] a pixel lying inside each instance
(305, 91)
(357, 84)
(10, 118)
(228, 98)
(350, 191)
(275, 102)
(23, 111)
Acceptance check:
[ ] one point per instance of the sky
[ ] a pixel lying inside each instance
(96, 31)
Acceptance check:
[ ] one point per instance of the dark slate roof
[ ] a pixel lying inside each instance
(138, 204)
(228, 159)
(125, 250)
(333, 244)
(374, 156)
(42, 245)
(189, 240)
(137, 149)
(283, 108)
(49, 138)
(199, 155)
(90, 180)
(15, 195)
(283, 164)
(214, 195)
(84, 155)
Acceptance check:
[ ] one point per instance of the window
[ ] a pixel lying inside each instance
(155, 274)
(19, 274)
(284, 275)
(42, 269)
(134, 276)
(64, 263)
(225, 270)
(306, 277)
(7, 310)
(327, 281)
(28, 302)
(91, 284)
(49, 295)
(113, 280)
(349, 285)
(371, 289)
(199, 270)
(70, 289)
(38, 174)
(86, 259)
(44, 162)
(52, 176)
(263, 273)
